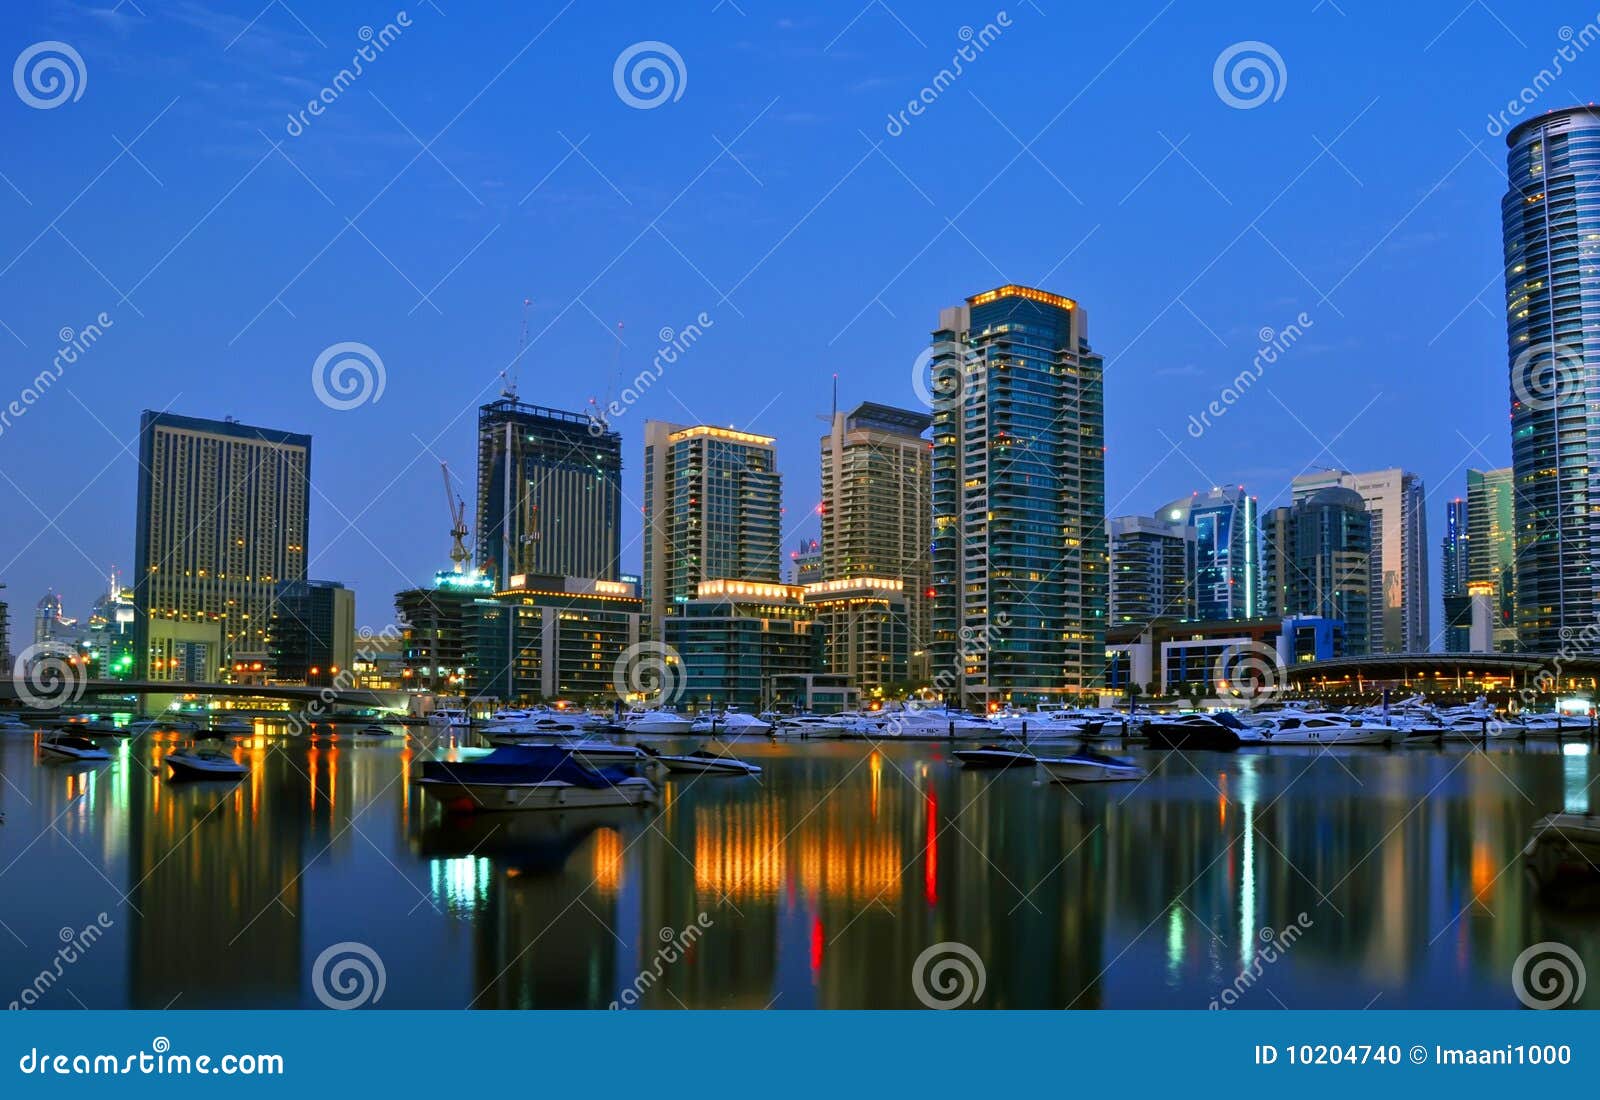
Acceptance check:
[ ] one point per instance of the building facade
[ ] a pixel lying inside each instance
(1453, 577)
(738, 640)
(713, 509)
(1550, 220)
(1227, 569)
(313, 636)
(862, 629)
(1019, 546)
(223, 512)
(1318, 554)
(1492, 548)
(1398, 599)
(437, 649)
(551, 638)
(549, 493)
(875, 506)
(1152, 571)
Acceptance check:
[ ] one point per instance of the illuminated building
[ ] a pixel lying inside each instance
(434, 639)
(222, 518)
(550, 638)
(1018, 539)
(1152, 570)
(712, 510)
(549, 493)
(1227, 571)
(876, 466)
(861, 626)
(1453, 576)
(1548, 218)
(1492, 553)
(805, 562)
(1397, 587)
(735, 637)
(1318, 555)
(313, 632)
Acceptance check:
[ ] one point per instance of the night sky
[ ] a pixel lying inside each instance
(480, 159)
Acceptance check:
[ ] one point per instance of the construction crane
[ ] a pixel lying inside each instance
(509, 375)
(458, 523)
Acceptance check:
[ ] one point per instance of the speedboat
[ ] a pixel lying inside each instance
(659, 720)
(199, 763)
(449, 717)
(809, 725)
(730, 722)
(233, 724)
(1221, 730)
(994, 756)
(543, 777)
(1090, 767)
(1310, 728)
(1553, 725)
(373, 730)
(548, 723)
(71, 746)
(702, 762)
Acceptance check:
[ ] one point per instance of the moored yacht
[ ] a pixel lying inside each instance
(1292, 727)
(731, 722)
(204, 763)
(530, 778)
(658, 720)
(925, 722)
(450, 718)
(1221, 730)
(72, 746)
(811, 725)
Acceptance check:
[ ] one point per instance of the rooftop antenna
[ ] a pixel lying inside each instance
(510, 373)
(458, 523)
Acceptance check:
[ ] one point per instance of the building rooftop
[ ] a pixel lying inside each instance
(1515, 134)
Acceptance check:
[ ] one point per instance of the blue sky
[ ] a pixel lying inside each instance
(1088, 152)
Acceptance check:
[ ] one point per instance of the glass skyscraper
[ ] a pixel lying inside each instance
(1019, 540)
(1227, 570)
(1550, 219)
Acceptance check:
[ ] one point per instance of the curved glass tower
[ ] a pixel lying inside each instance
(1551, 225)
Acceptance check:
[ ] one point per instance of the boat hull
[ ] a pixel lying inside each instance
(1163, 735)
(994, 758)
(1071, 770)
(691, 765)
(66, 752)
(187, 767)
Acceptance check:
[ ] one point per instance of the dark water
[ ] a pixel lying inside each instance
(817, 886)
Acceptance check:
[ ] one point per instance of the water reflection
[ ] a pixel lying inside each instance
(822, 881)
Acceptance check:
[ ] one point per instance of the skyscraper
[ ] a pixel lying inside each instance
(1152, 571)
(1318, 555)
(223, 511)
(875, 510)
(712, 511)
(1453, 576)
(1492, 553)
(1398, 587)
(549, 493)
(1227, 570)
(1019, 542)
(1548, 219)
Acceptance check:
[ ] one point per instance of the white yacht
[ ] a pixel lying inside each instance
(659, 720)
(1313, 728)
(449, 718)
(233, 724)
(732, 723)
(925, 722)
(538, 720)
(811, 725)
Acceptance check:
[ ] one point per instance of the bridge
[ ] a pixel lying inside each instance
(67, 694)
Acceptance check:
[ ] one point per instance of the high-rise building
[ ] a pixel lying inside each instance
(737, 639)
(1019, 542)
(1453, 576)
(875, 510)
(223, 511)
(1152, 571)
(712, 511)
(805, 562)
(860, 624)
(439, 636)
(1548, 218)
(313, 636)
(1318, 555)
(1398, 587)
(549, 493)
(1227, 569)
(1492, 553)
